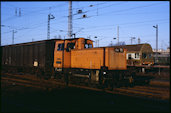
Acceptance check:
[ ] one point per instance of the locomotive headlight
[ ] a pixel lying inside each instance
(104, 73)
(121, 49)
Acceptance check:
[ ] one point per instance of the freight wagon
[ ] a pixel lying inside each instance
(68, 58)
(32, 57)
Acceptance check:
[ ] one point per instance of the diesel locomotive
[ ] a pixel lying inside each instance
(65, 58)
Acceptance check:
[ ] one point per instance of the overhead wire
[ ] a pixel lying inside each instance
(44, 9)
(33, 12)
(128, 9)
(127, 23)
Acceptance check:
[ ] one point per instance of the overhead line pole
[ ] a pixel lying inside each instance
(48, 33)
(118, 35)
(156, 41)
(70, 20)
(139, 41)
(132, 39)
(50, 16)
(13, 36)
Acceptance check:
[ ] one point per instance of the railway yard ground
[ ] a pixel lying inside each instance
(26, 93)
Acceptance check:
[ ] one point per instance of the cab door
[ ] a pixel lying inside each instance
(62, 53)
(59, 54)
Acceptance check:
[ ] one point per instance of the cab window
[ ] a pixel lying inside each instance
(60, 47)
(70, 46)
(88, 45)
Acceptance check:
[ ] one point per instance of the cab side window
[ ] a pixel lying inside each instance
(70, 46)
(88, 45)
(60, 47)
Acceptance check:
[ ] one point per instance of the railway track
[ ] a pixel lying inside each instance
(32, 81)
(149, 92)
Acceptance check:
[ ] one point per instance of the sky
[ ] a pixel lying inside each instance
(105, 20)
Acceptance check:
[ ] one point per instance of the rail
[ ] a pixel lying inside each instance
(161, 93)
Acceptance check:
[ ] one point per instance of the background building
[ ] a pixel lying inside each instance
(163, 56)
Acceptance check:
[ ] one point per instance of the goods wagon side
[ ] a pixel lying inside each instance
(29, 56)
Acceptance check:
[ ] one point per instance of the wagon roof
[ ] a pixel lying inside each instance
(42, 41)
(136, 47)
(28, 43)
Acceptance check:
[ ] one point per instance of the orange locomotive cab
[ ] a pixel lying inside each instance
(62, 51)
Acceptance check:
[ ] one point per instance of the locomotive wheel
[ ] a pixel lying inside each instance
(66, 78)
(131, 81)
(131, 84)
(111, 85)
(102, 83)
(147, 82)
